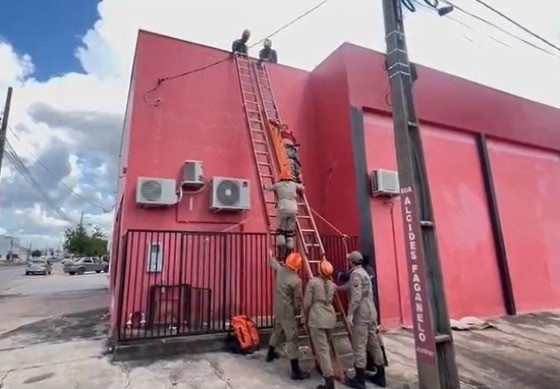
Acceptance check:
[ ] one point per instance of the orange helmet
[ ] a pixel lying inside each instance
(325, 269)
(285, 174)
(294, 261)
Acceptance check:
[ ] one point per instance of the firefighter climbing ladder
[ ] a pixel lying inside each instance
(260, 107)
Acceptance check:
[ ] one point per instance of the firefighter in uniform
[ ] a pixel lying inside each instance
(321, 318)
(362, 319)
(287, 305)
(286, 191)
(344, 276)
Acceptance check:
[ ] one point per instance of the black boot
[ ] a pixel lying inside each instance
(329, 384)
(361, 376)
(297, 374)
(379, 377)
(271, 355)
(355, 382)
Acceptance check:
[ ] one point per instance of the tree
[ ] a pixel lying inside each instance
(36, 253)
(78, 241)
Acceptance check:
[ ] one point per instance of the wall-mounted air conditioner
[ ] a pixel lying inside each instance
(230, 194)
(155, 192)
(192, 175)
(385, 183)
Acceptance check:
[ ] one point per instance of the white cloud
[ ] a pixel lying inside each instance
(14, 68)
(65, 109)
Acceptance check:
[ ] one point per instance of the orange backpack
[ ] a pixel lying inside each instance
(246, 334)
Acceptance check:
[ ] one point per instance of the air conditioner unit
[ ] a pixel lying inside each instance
(385, 183)
(230, 194)
(155, 192)
(192, 175)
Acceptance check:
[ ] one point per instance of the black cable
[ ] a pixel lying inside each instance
(291, 22)
(497, 27)
(20, 167)
(167, 78)
(58, 179)
(433, 4)
(518, 24)
(409, 5)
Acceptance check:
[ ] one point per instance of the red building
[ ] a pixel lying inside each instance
(492, 158)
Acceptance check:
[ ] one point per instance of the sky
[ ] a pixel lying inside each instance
(70, 61)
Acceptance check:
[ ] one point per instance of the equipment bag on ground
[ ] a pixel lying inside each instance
(247, 337)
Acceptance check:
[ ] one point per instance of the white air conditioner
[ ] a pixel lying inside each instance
(192, 175)
(230, 194)
(385, 183)
(155, 192)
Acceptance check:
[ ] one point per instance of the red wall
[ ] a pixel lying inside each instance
(528, 187)
(465, 240)
(335, 194)
(200, 116)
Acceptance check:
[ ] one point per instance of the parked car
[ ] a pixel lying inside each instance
(38, 266)
(82, 265)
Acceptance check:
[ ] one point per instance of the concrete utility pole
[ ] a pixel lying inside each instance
(4, 126)
(433, 339)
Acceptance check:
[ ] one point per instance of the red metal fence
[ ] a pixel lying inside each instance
(186, 283)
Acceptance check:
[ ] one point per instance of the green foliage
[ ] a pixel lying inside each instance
(36, 253)
(79, 241)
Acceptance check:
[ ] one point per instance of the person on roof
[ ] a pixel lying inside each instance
(321, 318)
(267, 53)
(240, 45)
(286, 191)
(287, 305)
(362, 319)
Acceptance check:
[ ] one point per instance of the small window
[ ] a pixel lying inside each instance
(155, 257)
(88, 260)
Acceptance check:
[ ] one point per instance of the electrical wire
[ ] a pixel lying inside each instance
(517, 24)
(58, 179)
(20, 167)
(496, 26)
(210, 65)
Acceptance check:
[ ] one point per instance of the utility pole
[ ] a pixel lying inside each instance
(82, 219)
(433, 339)
(4, 126)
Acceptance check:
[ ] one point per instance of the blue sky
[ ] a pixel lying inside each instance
(49, 31)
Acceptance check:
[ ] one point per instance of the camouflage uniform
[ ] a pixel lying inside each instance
(321, 319)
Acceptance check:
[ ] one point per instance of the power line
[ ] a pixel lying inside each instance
(20, 167)
(497, 27)
(167, 78)
(58, 179)
(517, 24)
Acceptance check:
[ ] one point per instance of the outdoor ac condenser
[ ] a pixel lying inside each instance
(192, 175)
(385, 183)
(155, 192)
(230, 194)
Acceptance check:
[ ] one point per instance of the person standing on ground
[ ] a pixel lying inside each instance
(321, 318)
(286, 192)
(344, 276)
(287, 305)
(362, 319)
(240, 45)
(267, 54)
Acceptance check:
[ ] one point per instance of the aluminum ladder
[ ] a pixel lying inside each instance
(260, 107)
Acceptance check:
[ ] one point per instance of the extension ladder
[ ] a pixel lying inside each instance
(260, 107)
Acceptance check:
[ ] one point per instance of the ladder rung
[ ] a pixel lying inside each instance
(313, 261)
(306, 230)
(312, 244)
(259, 141)
(261, 152)
(267, 175)
(304, 217)
(263, 164)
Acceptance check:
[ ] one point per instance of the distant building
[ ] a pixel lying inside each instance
(9, 247)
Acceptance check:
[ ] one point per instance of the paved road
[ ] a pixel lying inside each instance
(13, 281)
